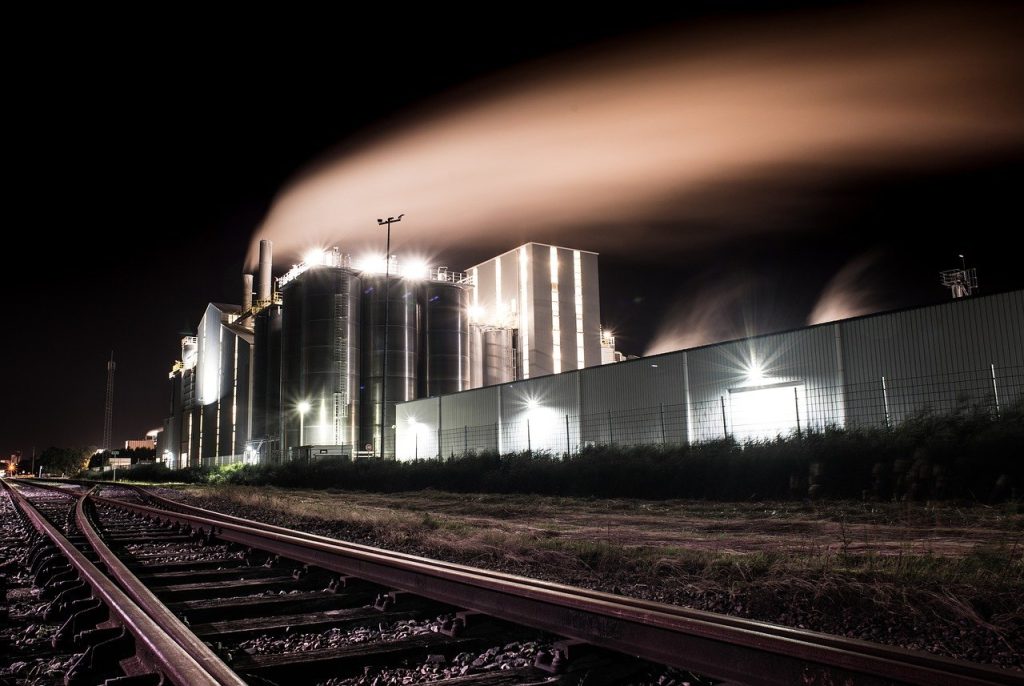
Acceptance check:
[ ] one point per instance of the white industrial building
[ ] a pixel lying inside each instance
(876, 370)
(541, 305)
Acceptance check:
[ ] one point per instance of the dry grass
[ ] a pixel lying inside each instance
(933, 572)
(949, 544)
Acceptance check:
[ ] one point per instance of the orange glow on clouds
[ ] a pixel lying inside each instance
(670, 131)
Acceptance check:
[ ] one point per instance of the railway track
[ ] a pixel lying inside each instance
(264, 604)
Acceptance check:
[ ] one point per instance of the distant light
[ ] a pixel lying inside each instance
(303, 407)
(655, 366)
(532, 404)
(476, 313)
(314, 258)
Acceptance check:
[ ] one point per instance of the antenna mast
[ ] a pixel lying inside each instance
(961, 282)
(108, 410)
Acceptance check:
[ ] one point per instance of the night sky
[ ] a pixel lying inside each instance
(147, 165)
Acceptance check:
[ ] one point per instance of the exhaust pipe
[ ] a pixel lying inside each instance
(266, 267)
(246, 292)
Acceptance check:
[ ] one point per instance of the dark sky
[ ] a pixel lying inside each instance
(146, 164)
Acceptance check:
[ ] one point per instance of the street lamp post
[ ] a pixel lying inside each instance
(303, 409)
(387, 312)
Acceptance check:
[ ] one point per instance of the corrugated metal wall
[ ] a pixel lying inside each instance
(937, 358)
(639, 401)
(961, 355)
(802, 358)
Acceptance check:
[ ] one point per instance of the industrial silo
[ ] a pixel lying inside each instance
(320, 359)
(498, 363)
(400, 312)
(266, 383)
(444, 339)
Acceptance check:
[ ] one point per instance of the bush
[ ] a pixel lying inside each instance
(965, 456)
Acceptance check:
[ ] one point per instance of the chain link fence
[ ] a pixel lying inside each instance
(755, 413)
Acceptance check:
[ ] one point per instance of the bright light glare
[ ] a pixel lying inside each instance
(314, 258)
(372, 264)
(765, 413)
(303, 407)
(755, 373)
(532, 404)
(415, 269)
(477, 313)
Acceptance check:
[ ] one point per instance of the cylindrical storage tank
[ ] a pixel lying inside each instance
(266, 382)
(498, 356)
(476, 356)
(400, 384)
(320, 359)
(444, 354)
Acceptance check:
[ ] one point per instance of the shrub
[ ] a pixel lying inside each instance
(964, 456)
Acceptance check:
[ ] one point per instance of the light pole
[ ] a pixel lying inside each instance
(387, 312)
(303, 409)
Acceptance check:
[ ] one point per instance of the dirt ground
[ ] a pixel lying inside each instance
(945, 578)
(728, 528)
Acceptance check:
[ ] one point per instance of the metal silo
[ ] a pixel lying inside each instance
(402, 328)
(445, 339)
(320, 358)
(266, 383)
(498, 356)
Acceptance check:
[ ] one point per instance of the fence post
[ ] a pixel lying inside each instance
(725, 426)
(995, 391)
(568, 445)
(529, 441)
(611, 435)
(661, 413)
(465, 439)
(796, 403)
(416, 446)
(885, 402)
(497, 439)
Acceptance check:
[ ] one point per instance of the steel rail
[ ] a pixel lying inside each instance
(156, 609)
(737, 650)
(152, 644)
(966, 669)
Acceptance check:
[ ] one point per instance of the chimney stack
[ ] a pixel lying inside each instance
(246, 292)
(266, 267)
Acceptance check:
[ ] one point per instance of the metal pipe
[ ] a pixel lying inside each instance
(995, 390)
(885, 401)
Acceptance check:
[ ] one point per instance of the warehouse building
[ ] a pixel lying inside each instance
(877, 370)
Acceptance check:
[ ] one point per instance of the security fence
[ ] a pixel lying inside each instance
(755, 412)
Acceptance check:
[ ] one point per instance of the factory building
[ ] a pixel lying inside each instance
(872, 371)
(535, 312)
(301, 370)
(210, 392)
